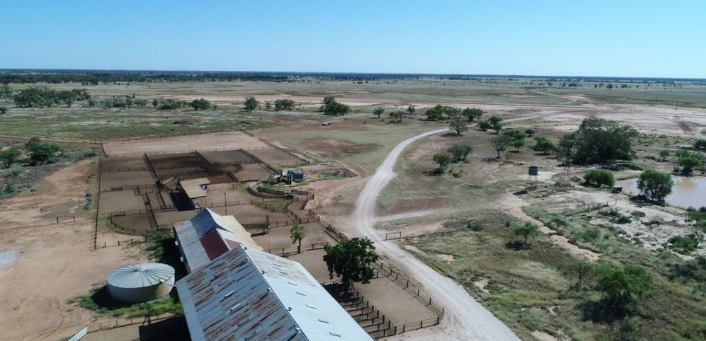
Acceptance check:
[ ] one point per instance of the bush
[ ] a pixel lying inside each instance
(684, 244)
(600, 177)
(655, 185)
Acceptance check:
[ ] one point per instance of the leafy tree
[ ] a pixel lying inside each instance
(284, 104)
(496, 123)
(434, 114)
(200, 104)
(472, 114)
(526, 231)
(155, 103)
(664, 154)
(5, 91)
(296, 233)
(583, 270)
(458, 124)
(378, 111)
(251, 103)
(622, 286)
(599, 141)
(3, 110)
(411, 110)
(442, 160)
(351, 261)
(530, 132)
(689, 160)
(141, 102)
(268, 105)
(129, 102)
(41, 152)
(655, 185)
(700, 144)
(397, 116)
(460, 151)
(515, 138)
(484, 125)
(599, 177)
(91, 103)
(499, 143)
(544, 145)
(10, 155)
(331, 107)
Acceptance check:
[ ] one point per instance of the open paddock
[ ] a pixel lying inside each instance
(191, 171)
(228, 156)
(185, 143)
(276, 157)
(120, 201)
(279, 237)
(123, 164)
(255, 171)
(132, 223)
(110, 180)
(174, 160)
(250, 214)
(225, 193)
(393, 301)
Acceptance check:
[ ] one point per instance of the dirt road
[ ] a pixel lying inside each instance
(465, 319)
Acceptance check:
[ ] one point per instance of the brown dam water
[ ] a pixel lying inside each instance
(686, 192)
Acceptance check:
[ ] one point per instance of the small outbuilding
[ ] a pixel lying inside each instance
(195, 189)
(141, 282)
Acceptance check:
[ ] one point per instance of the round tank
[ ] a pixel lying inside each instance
(141, 282)
(533, 170)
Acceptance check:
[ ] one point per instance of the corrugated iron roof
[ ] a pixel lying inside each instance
(248, 294)
(208, 235)
(141, 275)
(192, 187)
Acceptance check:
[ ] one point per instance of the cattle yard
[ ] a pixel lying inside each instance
(141, 194)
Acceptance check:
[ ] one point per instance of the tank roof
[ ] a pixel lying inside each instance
(141, 275)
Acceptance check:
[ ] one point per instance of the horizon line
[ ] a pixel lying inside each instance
(489, 75)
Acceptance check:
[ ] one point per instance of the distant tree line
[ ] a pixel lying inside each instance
(43, 97)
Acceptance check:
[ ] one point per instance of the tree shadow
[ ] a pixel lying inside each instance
(605, 311)
(450, 134)
(434, 172)
(517, 245)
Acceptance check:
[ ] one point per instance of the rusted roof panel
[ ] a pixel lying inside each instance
(247, 294)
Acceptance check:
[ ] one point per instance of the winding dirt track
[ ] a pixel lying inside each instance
(466, 319)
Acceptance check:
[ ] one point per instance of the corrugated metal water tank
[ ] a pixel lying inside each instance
(141, 282)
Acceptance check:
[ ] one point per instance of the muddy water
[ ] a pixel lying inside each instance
(687, 191)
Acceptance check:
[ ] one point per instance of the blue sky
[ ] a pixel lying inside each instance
(583, 37)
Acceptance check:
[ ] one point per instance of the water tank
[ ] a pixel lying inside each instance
(533, 170)
(141, 282)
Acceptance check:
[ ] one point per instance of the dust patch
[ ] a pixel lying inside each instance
(336, 148)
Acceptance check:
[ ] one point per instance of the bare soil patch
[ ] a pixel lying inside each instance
(228, 140)
(276, 157)
(109, 180)
(336, 148)
(254, 171)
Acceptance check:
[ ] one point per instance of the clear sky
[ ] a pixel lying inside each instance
(646, 38)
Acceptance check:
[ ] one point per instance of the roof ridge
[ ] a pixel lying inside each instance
(272, 291)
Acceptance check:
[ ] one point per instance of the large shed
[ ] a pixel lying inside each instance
(248, 294)
(141, 282)
(207, 236)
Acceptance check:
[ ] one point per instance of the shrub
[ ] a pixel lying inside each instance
(655, 185)
(684, 244)
(599, 177)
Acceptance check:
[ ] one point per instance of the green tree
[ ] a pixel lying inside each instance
(622, 287)
(284, 104)
(544, 145)
(689, 160)
(599, 177)
(599, 141)
(378, 111)
(526, 231)
(499, 143)
(515, 138)
(530, 132)
(484, 125)
(331, 107)
(329, 99)
(442, 160)
(700, 144)
(5, 91)
(665, 154)
(435, 114)
(583, 270)
(10, 155)
(397, 116)
(472, 114)
(296, 233)
(251, 103)
(3, 110)
(458, 124)
(411, 110)
(351, 260)
(460, 151)
(41, 152)
(268, 105)
(200, 104)
(155, 103)
(496, 123)
(655, 185)
(129, 102)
